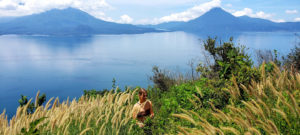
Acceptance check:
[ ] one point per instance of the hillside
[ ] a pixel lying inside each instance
(111, 113)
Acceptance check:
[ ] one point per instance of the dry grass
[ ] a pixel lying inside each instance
(109, 113)
(274, 101)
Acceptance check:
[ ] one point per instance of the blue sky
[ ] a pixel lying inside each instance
(158, 11)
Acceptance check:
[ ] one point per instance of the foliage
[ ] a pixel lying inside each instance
(114, 83)
(199, 95)
(268, 56)
(31, 106)
(94, 93)
(206, 72)
(230, 60)
(33, 129)
(293, 58)
(161, 79)
(23, 101)
(183, 96)
(117, 89)
(273, 108)
(212, 92)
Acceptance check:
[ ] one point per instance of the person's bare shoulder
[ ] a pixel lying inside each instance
(149, 102)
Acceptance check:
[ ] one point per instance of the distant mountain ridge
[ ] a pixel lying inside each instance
(69, 21)
(164, 26)
(218, 20)
(6, 19)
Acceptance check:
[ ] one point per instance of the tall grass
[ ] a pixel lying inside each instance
(269, 106)
(272, 107)
(108, 114)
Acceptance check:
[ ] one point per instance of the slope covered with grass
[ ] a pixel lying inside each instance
(230, 96)
(107, 114)
(271, 107)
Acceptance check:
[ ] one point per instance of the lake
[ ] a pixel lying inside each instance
(65, 66)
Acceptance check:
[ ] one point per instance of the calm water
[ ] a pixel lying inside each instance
(65, 66)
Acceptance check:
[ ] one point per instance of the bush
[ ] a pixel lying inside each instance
(161, 79)
(267, 56)
(94, 93)
(293, 58)
(184, 96)
(31, 106)
(229, 61)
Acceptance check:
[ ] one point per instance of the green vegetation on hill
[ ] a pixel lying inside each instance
(230, 96)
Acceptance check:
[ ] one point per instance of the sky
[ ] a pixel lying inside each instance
(158, 11)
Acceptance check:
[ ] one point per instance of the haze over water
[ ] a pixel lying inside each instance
(65, 66)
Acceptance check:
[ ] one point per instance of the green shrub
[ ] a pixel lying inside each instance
(293, 58)
(94, 93)
(33, 129)
(31, 107)
(185, 96)
(161, 80)
(231, 60)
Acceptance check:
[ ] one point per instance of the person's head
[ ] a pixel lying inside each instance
(142, 94)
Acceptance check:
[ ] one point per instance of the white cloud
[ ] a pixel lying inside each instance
(245, 11)
(8, 5)
(297, 19)
(262, 14)
(278, 20)
(291, 11)
(151, 2)
(249, 12)
(27, 7)
(190, 13)
(125, 19)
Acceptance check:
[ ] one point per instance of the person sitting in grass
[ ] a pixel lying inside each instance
(142, 108)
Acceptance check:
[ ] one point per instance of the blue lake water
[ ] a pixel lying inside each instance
(65, 66)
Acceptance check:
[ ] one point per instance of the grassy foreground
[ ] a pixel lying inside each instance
(108, 114)
(272, 107)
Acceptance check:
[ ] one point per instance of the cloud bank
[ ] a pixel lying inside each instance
(259, 14)
(249, 12)
(125, 19)
(190, 13)
(291, 11)
(151, 2)
(27, 7)
(99, 8)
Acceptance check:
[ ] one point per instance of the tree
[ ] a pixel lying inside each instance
(293, 58)
(229, 61)
(31, 107)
